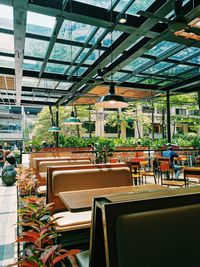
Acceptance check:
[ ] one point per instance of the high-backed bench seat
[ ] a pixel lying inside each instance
(74, 178)
(41, 166)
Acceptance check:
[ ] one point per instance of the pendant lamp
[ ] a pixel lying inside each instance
(54, 129)
(111, 100)
(72, 120)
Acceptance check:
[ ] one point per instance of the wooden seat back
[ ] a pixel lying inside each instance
(192, 172)
(60, 179)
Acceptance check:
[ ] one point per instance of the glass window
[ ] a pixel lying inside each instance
(91, 58)
(96, 36)
(158, 67)
(178, 69)
(6, 43)
(63, 52)
(180, 111)
(55, 68)
(35, 48)
(76, 31)
(151, 81)
(39, 24)
(138, 62)
(160, 48)
(32, 65)
(135, 7)
(7, 62)
(165, 83)
(6, 17)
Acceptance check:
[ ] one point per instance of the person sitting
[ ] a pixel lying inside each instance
(2, 156)
(8, 172)
(169, 153)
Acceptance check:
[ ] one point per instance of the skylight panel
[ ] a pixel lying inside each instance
(135, 64)
(160, 48)
(98, 3)
(185, 53)
(107, 40)
(7, 43)
(6, 17)
(135, 7)
(178, 69)
(63, 52)
(35, 48)
(55, 68)
(49, 84)
(63, 85)
(39, 24)
(158, 67)
(7, 62)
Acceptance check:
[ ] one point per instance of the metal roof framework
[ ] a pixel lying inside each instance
(50, 48)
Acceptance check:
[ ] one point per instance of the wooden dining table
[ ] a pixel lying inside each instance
(76, 201)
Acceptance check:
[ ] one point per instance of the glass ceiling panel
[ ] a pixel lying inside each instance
(138, 62)
(187, 52)
(35, 48)
(28, 81)
(117, 76)
(64, 85)
(79, 72)
(50, 84)
(39, 24)
(99, 3)
(80, 31)
(96, 36)
(92, 57)
(135, 7)
(158, 67)
(151, 81)
(134, 79)
(107, 40)
(6, 43)
(165, 83)
(195, 60)
(55, 68)
(6, 17)
(7, 62)
(178, 69)
(32, 65)
(160, 48)
(64, 52)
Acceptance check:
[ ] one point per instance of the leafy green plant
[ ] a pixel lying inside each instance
(104, 149)
(39, 236)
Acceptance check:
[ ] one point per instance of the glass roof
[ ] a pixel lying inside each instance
(6, 17)
(135, 7)
(32, 45)
(75, 31)
(39, 24)
(161, 48)
(60, 52)
(6, 43)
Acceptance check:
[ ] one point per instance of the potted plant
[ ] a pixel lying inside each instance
(104, 149)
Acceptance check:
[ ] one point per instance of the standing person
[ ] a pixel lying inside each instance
(169, 153)
(2, 156)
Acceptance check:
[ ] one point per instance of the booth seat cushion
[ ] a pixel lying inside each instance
(42, 189)
(89, 179)
(68, 218)
(43, 175)
(44, 164)
(46, 158)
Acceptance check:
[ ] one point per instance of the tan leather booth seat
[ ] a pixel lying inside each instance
(82, 177)
(48, 155)
(44, 164)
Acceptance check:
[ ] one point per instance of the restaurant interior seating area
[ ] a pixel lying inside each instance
(100, 205)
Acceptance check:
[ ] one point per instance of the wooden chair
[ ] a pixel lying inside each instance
(192, 172)
(120, 236)
(165, 180)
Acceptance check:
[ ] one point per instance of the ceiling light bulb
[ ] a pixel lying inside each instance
(112, 102)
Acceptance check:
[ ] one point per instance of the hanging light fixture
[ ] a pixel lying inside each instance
(73, 120)
(111, 100)
(122, 18)
(54, 129)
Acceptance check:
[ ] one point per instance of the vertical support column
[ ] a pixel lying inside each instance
(90, 128)
(168, 117)
(57, 125)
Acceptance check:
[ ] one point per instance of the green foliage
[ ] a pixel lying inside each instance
(104, 149)
(72, 141)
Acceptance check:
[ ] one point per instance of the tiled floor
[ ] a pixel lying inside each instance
(8, 216)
